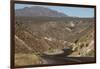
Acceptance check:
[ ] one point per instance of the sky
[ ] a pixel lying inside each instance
(70, 11)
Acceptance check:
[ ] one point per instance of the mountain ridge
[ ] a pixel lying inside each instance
(38, 11)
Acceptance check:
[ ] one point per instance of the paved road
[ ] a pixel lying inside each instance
(66, 60)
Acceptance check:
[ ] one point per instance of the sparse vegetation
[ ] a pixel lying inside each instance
(34, 35)
(27, 59)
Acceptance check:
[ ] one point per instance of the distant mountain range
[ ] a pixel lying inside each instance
(38, 11)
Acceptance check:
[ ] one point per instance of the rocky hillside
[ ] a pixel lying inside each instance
(37, 37)
(39, 29)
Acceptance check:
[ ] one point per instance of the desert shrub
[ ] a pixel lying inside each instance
(91, 53)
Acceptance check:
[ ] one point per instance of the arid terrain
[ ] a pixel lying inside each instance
(47, 30)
